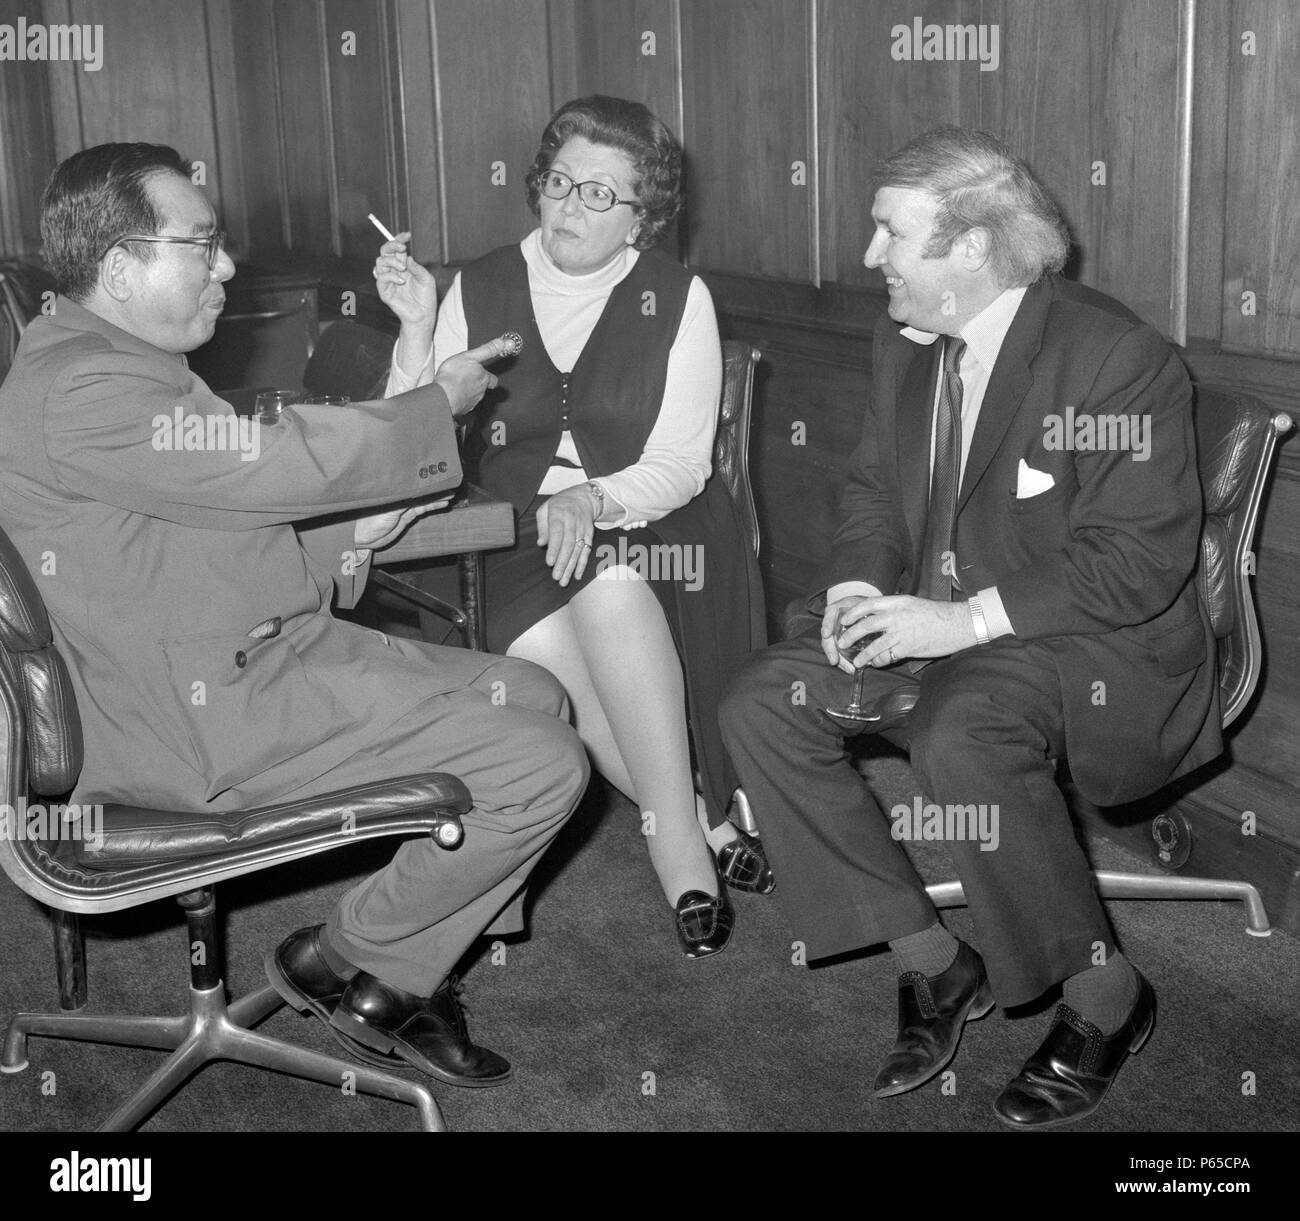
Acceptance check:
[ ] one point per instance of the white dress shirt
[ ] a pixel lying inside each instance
(983, 335)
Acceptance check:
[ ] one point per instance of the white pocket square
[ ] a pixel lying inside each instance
(1030, 482)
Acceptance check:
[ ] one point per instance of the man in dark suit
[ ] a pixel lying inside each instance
(1016, 549)
(189, 559)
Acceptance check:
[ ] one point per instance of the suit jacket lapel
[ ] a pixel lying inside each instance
(1008, 385)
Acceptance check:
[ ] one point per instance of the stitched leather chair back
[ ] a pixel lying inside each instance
(11, 325)
(1235, 439)
(731, 443)
(38, 686)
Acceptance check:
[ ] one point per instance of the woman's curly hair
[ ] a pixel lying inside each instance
(631, 128)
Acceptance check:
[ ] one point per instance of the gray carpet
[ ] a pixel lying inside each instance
(610, 1028)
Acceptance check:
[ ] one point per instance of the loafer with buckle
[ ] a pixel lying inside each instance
(704, 922)
(931, 1014)
(427, 1032)
(743, 865)
(299, 973)
(1071, 1072)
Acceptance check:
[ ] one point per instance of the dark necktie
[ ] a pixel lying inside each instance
(938, 566)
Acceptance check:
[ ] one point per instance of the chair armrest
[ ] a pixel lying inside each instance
(476, 523)
(131, 836)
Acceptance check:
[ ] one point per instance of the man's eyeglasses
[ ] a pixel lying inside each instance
(214, 243)
(595, 196)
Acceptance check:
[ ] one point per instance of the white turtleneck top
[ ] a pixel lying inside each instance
(677, 456)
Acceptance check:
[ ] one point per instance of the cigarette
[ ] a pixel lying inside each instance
(379, 224)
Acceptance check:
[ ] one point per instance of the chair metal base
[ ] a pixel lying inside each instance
(1147, 886)
(213, 1031)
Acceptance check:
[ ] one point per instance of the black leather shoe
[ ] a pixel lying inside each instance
(743, 865)
(427, 1032)
(704, 922)
(1068, 1076)
(931, 1014)
(299, 973)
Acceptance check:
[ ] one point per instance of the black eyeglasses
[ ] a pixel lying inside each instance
(594, 195)
(214, 243)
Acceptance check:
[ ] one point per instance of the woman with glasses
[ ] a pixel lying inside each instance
(630, 578)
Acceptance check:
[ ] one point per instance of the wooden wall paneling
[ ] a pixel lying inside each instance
(26, 146)
(1263, 179)
(305, 146)
(746, 83)
(629, 49)
(225, 179)
(420, 205)
(870, 103)
(360, 85)
(494, 100)
(155, 84)
(1081, 84)
(65, 89)
(562, 29)
(1216, 42)
(612, 38)
(260, 128)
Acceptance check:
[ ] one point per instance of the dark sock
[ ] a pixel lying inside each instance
(931, 951)
(1104, 995)
(335, 961)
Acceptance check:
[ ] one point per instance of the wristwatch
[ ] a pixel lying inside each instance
(599, 493)
(978, 621)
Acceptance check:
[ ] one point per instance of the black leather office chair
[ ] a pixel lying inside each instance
(731, 442)
(11, 325)
(1236, 437)
(148, 854)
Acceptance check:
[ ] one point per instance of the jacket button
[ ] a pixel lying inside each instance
(424, 472)
(241, 659)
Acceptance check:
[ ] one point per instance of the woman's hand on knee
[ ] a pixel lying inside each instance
(566, 524)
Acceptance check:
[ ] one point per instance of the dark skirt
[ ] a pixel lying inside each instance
(521, 592)
(697, 562)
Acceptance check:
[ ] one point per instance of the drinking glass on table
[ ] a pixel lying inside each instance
(271, 403)
(327, 400)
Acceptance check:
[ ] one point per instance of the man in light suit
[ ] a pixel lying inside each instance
(188, 564)
(1016, 547)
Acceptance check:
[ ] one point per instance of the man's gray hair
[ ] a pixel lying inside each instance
(981, 184)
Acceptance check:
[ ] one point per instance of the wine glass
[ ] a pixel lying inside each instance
(271, 403)
(854, 713)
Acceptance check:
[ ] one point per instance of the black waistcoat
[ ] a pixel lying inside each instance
(611, 397)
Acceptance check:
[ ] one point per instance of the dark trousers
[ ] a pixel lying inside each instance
(986, 732)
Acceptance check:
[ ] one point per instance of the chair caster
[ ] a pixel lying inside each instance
(1173, 839)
